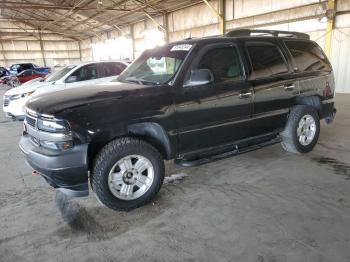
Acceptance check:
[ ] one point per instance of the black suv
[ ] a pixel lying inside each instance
(194, 101)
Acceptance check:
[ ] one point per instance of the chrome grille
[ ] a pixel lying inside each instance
(6, 102)
(30, 121)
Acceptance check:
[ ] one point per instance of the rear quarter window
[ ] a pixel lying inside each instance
(266, 60)
(308, 56)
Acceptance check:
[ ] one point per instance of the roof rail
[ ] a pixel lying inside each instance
(261, 32)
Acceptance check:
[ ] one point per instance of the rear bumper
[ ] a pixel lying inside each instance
(65, 170)
(328, 111)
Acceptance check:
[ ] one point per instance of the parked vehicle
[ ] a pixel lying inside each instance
(18, 68)
(194, 101)
(29, 74)
(21, 78)
(3, 72)
(72, 76)
(9, 80)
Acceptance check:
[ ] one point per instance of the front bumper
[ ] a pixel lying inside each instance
(65, 170)
(15, 108)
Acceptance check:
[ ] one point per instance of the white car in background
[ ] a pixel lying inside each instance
(71, 76)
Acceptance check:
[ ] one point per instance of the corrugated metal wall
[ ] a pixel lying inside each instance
(340, 59)
(56, 50)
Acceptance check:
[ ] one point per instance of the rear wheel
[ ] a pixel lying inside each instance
(127, 173)
(302, 130)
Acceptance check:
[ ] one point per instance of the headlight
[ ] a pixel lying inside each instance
(14, 97)
(59, 126)
(57, 145)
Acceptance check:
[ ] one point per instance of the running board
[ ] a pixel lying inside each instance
(236, 151)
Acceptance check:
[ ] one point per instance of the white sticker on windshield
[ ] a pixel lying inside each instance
(183, 47)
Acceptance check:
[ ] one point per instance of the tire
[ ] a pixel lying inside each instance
(112, 159)
(294, 143)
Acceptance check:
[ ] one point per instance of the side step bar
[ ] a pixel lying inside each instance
(215, 157)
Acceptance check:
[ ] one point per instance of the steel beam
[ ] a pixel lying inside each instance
(330, 13)
(219, 13)
(16, 5)
(155, 22)
(42, 47)
(80, 54)
(166, 25)
(132, 33)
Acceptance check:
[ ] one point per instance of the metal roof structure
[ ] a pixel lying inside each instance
(80, 19)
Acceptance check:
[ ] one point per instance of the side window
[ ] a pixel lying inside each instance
(85, 73)
(19, 68)
(223, 62)
(266, 59)
(111, 69)
(308, 56)
(26, 66)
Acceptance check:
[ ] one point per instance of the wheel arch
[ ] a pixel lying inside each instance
(150, 132)
(313, 101)
(154, 134)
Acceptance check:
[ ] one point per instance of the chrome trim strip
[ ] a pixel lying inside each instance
(46, 136)
(235, 121)
(31, 112)
(34, 114)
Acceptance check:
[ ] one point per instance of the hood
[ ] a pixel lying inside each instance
(55, 102)
(30, 82)
(27, 88)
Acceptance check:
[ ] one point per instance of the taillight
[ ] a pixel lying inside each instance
(327, 92)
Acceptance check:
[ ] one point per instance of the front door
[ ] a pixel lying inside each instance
(217, 112)
(85, 75)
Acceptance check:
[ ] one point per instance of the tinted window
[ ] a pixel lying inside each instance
(111, 69)
(26, 66)
(14, 67)
(266, 59)
(85, 73)
(2, 71)
(308, 56)
(223, 62)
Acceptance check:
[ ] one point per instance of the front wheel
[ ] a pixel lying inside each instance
(302, 130)
(127, 173)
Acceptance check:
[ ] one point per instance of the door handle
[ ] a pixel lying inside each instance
(289, 87)
(245, 95)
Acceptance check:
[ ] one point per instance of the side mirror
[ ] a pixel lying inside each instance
(71, 79)
(199, 77)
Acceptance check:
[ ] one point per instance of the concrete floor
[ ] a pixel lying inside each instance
(266, 205)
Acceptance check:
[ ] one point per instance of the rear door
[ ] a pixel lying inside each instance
(25, 75)
(275, 87)
(219, 112)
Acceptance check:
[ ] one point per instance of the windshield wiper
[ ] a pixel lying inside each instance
(133, 80)
(150, 82)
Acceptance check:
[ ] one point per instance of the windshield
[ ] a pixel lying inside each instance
(156, 66)
(59, 74)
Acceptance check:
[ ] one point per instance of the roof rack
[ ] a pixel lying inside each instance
(260, 32)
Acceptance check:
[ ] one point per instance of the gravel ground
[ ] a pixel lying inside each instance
(266, 205)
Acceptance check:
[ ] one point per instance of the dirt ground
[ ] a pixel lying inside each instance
(266, 205)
